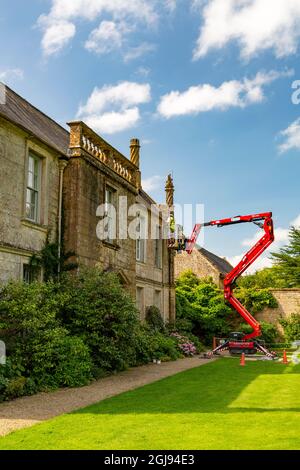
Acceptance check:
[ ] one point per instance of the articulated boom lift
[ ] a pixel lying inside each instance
(238, 342)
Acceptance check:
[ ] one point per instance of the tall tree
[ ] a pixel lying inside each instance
(287, 261)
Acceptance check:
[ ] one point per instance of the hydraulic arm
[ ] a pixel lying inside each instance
(264, 221)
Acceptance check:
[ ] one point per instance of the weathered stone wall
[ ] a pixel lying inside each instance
(84, 191)
(10, 265)
(19, 238)
(198, 264)
(153, 279)
(288, 303)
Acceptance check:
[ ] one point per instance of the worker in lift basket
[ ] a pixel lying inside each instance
(172, 226)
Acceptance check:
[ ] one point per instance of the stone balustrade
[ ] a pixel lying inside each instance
(82, 138)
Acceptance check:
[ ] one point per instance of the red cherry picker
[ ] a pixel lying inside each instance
(238, 342)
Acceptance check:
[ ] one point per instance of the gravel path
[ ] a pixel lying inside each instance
(27, 411)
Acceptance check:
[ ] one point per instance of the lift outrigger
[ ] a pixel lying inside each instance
(238, 342)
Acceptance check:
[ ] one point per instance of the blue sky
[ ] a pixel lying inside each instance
(205, 85)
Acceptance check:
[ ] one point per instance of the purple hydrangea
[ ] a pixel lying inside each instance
(186, 346)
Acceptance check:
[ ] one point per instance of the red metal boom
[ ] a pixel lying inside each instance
(263, 220)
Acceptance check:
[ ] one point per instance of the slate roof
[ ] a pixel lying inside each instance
(23, 114)
(146, 196)
(221, 264)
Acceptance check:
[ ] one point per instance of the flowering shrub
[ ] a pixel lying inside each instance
(184, 345)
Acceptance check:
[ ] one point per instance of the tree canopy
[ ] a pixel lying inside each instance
(287, 260)
(285, 271)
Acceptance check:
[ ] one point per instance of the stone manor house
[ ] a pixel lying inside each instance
(51, 183)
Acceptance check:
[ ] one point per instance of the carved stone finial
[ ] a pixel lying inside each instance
(169, 191)
(135, 152)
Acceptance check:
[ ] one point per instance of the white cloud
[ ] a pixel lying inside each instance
(261, 263)
(113, 121)
(136, 52)
(256, 25)
(124, 94)
(291, 137)
(112, 109)
(281, 236)
(152, 183)
(107, 37)
(91, 9)
(281, 239)
(206, 97)
(59, 25)
(11, 74)
(111, 35)
(57, 35)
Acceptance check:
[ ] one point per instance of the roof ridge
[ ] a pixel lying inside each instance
(214, 259)
(34, 107)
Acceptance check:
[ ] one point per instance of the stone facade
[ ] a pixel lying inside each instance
(95, 166)
(75, 173)
(154, 275)
(203, 264)
(20, 237)
(86, 179)
(288, 303)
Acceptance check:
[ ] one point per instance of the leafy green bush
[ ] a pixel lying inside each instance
(182, 325)
(269, 331)
(11, 374)
(36, 343)
(165, 347)
(59, 360)
(144, 345)
(201, 308)
(13, 383)
(184, 345)
(26, 311)
(183, 328)
(255, 300)
(103, 315)
(154, 318)
(151, 344)
(267, 278)
(291, 327)
(195, 340)
(64, 334)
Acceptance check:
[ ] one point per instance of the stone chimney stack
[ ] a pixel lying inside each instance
(135, 152)
(169, 191)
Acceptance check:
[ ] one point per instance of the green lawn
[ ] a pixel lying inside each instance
(220, 405)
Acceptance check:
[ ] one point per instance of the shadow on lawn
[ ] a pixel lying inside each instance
(212, 388)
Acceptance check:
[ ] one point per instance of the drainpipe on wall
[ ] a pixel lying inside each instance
(61, 166)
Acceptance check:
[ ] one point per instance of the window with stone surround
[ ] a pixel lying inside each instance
(31, 274)
(33, 190)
